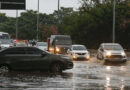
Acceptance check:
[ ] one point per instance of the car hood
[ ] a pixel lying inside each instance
(61, 57)
(42, 47)
(5, 45)
(115, 52)
(81, 51)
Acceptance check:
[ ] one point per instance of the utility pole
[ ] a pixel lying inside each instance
(58, 11)
(16, 24)
(37, 19)
(114, 5)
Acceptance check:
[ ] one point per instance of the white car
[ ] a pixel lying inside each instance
(111, 52)
(79, 52)
(41, 45)
(6, 44)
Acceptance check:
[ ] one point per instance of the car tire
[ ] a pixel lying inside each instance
(124, 61)
(56, 68)
(102, 58)
(99, 58)
(4, 69)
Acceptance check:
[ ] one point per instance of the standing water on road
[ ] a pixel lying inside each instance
(85, 75)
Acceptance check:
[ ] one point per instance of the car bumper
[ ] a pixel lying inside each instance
(116, 59)
(81, 57)
(68, 65)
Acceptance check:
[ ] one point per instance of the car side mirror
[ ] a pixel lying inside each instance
(43, 54)
(125, 49)
(102, 50)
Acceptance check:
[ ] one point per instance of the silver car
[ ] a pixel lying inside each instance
(111, 52)
(79, 52)
(41, 45)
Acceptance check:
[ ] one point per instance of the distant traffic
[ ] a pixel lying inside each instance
(35, 55)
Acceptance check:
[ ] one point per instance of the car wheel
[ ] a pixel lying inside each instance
(124, 61)
(56, 68)
(100, 57)
(4, 69)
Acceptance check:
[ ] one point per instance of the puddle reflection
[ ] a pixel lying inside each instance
(83, 76)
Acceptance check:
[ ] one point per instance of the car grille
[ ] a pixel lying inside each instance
(64, 50)
(81, 53)
(116, 56)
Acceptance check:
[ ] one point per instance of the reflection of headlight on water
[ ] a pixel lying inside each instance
(108, 68)
(108, 78)
(122, 68)
(108, 83)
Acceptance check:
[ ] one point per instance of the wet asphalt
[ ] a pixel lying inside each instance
(86, 75)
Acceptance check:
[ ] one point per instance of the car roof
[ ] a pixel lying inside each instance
(3, 33)
(110, 44)
(17, 47)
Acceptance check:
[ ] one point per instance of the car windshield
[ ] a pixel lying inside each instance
(79, 48)
(113, 47)
(63, 41)
(4, 36)
(22, 44)
(5, 42)
(42, 44)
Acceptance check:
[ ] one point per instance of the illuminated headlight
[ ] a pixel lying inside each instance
(123, 54)
(51, 49)
(74, 56)
(88, 57)
(108, 53)
(57, 49)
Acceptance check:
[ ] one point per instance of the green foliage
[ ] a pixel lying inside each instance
(91, 25)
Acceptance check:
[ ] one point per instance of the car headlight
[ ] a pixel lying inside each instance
(57, 49)
(88, 56)
(123, 54)
(51, 49)
(108, 53)
(74, 56)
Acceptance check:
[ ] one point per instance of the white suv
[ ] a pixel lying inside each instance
(79, 52)
(111, 52)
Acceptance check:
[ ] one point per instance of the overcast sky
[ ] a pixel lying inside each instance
(46, 6)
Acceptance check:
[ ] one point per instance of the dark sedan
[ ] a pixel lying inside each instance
(32, 58)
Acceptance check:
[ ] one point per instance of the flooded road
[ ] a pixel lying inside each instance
(86, 75)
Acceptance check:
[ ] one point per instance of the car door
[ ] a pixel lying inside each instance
(37, 58)
(16, 58)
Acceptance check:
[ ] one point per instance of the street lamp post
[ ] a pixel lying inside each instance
(114, 5)
(16, 24)
(58, 5)
(58, 11)
(37, 19)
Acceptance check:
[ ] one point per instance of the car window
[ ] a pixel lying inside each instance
(14, 51)
(33, 51)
